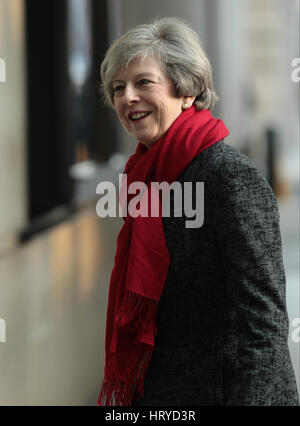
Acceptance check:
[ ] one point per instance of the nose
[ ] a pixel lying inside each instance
(131, 95)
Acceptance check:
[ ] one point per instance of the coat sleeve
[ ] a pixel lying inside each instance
(246, 221)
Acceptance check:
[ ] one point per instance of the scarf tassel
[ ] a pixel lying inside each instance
(117, 391)
(137, 314)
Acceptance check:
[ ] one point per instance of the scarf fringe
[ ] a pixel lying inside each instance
(137, 313)
(120, 391)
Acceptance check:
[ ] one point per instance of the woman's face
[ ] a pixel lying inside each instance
(145, 100)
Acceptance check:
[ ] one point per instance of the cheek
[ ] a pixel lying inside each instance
(120, 115)
(164, 114)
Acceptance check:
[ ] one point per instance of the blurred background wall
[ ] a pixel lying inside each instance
(12, 123)
(57, 142)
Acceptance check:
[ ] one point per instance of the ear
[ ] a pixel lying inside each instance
(187, 102)
(189, 99)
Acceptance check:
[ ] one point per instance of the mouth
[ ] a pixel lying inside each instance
(139, 115)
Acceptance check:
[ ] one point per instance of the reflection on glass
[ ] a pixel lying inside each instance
(79, 67)
(79, 41)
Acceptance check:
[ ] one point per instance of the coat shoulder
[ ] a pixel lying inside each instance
(223, 160)
(225, 168)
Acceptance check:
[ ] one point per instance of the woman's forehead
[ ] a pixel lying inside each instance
(139, 68)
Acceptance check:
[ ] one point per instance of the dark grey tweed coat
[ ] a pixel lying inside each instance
(222, 319)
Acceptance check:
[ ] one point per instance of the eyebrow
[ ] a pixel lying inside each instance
(143, 74)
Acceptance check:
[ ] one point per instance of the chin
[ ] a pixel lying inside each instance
(148, 143)
(145, 141)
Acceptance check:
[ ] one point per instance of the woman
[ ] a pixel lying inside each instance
(196, 315)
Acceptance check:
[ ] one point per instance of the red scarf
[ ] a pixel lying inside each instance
(142, 258)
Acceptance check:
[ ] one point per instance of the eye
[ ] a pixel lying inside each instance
(118, 89)
(144, 81)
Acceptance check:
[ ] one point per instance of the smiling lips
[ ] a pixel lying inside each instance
(138, 115)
